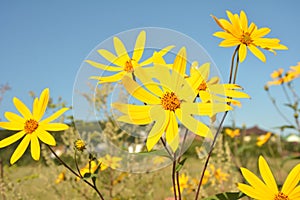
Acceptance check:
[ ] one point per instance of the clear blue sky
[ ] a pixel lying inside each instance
(43, 44)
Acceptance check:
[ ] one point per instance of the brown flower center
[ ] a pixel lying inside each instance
(246, 39)
(170, 101)
(281, 196)
(202, 86)
(128, 66)
(30, 126)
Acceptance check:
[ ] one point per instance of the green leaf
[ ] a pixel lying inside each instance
(87, 175)
(180, 165)
(226, 196)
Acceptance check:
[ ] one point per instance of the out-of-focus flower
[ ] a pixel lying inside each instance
(238, 33)
(90, 167)
(80, 145)
(294, 71)
(122, 63)
(61, 177)
(110, 161)
(218, 175)
(262, 139)
(232, 133)
(120, 178)
(183, 182)
(266, 189)
(31, 127)
(209, 89)
(168, 99)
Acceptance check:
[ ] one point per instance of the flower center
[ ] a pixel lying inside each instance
(246, 39)
(202, 86)
(128, 66)
(30, 126)
(170, 101)
(281, 196)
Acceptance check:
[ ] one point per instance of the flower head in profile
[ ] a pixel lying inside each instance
(266, 189)
(122, 63)
(166, 98)
(110, 161)
(232, 133)
(210, 89)
(294, 71)
(31, 127)
(238, 33)
(262, 139)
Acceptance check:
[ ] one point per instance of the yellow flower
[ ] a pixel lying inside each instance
(238, 33)
(183, 182)
(266, 189)
(218, 175)
(294, 71)
(232, 133)
(31, 127)
(90, 167)
(278, 77)
(61, 177)
(109, 161)
(168, 100)
(123, 63)
(80, 145)
(210, 90)
(262, 139)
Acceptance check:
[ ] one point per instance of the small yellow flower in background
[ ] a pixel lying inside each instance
(262, 139)
(266, 189)
(209, 89)
(294, 71)
(122, 63)
(232, 133)
(238, 33)
(80, 145)
(31, 127)
(61, 177)
(183, 183)
(90, 167)
(110, 161)
(277, 77)
(219, 176)
(167, 101)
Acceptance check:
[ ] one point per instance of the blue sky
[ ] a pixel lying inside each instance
(43, 44)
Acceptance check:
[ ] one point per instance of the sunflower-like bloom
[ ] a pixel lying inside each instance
(209, 89)
(261, 140)
(266, 189)
(110, 161)
(232, 133)
(31, 127)
(122, 62)
(238, 33)
(166, 97)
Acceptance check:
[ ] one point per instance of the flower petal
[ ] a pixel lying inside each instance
(13, 117)
(20, 149)
(54, 116)
(139, 46)
(161, 54)
(11, 139)
(111, 57)
(22, 108)
(14, 126)
(53, 126)
(295, 194)
(35, 108)
(252, 192)
(260, 32)
(242, 52)
(257, 53)
(208, 109)
(179, 65)
(243, 20)
(42, 103)
(35, 147)
(121, 50)
(46, 137)
(292, 180)
(109, 79)
(104, 67)
(266, 174)
(172, 135)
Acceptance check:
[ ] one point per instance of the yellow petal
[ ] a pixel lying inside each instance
(35, 147)
(243, 20)
(161, 53)
(14, 118)
(121, 50)
(260, 32)
(257, 53)
(229, 43)
(192, 124)
(104, 67)
(209, 109)
(223, 35)
(14, 126)
(172, 135)
(46, 137)
(295, 194)
(42, 103)
(139, 46)
(11, 139)
(111, 57)
(20, 149)
(252, 192)
(179, 65)
(22, 108)
(161, 121)
(35, 108)
(54, 126)
(267, 174)
(292, 180)
(54, 116)
(139, 92)
(242, 52)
